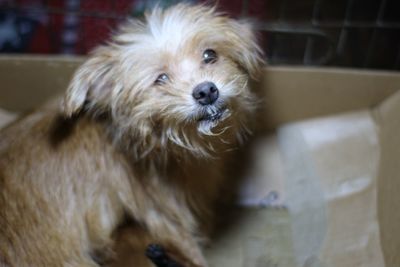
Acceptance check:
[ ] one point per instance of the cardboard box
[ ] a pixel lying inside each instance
(321, 187)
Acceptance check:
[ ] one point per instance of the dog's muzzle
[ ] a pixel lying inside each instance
(210, 107)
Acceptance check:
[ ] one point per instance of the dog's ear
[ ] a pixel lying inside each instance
(93, 81)
(245, 48)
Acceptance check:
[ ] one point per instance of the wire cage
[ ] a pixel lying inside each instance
(346, 33)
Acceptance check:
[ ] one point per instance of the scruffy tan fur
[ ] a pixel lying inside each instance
(123, 146)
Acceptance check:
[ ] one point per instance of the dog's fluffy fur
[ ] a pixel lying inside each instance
(124, 146)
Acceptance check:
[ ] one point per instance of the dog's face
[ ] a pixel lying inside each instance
(181, 77)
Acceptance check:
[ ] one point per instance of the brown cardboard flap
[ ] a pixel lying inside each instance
(331, 167)
(298, 93)
(388, 119)
(28, 81)
(328, 169)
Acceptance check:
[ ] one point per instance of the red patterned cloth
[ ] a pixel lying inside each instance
(72, 26)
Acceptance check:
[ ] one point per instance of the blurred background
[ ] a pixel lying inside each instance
(347, 33)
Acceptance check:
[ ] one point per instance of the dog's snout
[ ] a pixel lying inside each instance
(205, 93)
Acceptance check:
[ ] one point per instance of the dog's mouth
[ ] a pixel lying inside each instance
(213, 114)
(211, 120)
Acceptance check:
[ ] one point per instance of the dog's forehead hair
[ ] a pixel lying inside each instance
(174, 35)
(183, 29)
(181, 57)
(187, 65)
(175, 26)
(169, 60)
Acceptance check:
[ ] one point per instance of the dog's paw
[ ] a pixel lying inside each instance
(157, 254)
(155, 251)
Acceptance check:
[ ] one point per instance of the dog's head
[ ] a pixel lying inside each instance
(180, 77)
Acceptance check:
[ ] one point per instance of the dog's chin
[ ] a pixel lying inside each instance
(213, 116)
(208, 120)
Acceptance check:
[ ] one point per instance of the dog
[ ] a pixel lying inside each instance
(143, 134)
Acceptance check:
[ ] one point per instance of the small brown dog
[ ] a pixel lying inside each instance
(144, 133)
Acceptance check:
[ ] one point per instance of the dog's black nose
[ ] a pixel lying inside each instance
(205, 93)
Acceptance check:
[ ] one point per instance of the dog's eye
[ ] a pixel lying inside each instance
(161, 79)
(209, 56)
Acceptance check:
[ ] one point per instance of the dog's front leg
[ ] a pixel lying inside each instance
(173, 235)
(165, 215)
